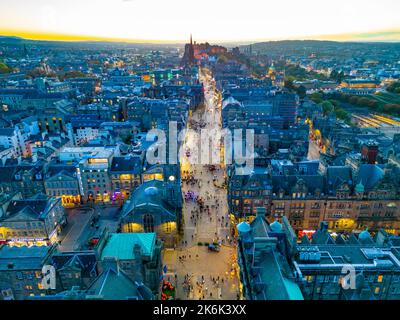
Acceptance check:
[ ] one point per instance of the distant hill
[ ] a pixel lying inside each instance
(323, 47)
(10, 39)
(13, 40)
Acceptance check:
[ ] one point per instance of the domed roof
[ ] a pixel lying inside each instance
(276, 226)
(151, 191)
(243, 227)
(360, 187)
(364, 235)
(271, 70)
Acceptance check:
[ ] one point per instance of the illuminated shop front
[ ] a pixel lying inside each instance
(70, 201)
(234, 221)
(343, 224)
(53, 237)
(168, 227)
(99, 197)
(308, 233)
(132, 227)
(118, 197)
(20, 242)
(10, 237)
(106, 197)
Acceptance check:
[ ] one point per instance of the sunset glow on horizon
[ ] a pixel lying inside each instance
(222, 20)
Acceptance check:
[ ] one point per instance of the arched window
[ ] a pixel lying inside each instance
(148, 223)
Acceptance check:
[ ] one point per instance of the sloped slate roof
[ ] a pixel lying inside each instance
(369, 175)
(126, 164)
(116, 285)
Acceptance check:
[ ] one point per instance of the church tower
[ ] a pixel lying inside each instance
(191, 52)
(188, 59)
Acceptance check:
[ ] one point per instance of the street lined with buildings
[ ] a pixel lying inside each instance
(205, 213)
(90, 187)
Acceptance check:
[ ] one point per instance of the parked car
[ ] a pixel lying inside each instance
(213, 248)
(93, 241)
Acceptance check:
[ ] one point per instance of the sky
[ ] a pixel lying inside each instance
(210, 20)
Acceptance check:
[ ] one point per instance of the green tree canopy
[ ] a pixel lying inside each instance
(327, 107)
(4, 68)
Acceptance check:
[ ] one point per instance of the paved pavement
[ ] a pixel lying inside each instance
(192, 264)
(79, 229)
(199, 263)
(78, 219)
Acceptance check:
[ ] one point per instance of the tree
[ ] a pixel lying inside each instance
(289, 84)
(341, 114)
(392, 108)
(222, 59)
(301, 91)
(327, 107)
(316, 97)
(74, 74)
(4, 68)
(394, 87)
(353, 100)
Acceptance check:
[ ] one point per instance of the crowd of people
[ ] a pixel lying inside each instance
(204, 288)
(206, 221)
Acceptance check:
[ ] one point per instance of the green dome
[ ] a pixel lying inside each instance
(364, 235)
(272, 67)
(360, 187)
(276, 226)
(243, 227)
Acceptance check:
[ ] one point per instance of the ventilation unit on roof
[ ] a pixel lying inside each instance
(372, 253)
(383, 263)
(309, 254)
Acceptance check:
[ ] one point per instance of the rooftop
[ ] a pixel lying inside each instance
(22, 258)
(121, 245)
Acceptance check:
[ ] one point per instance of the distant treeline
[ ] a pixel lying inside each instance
(360, 101)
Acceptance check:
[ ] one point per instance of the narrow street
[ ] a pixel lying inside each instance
(201, 273)
(313, 151)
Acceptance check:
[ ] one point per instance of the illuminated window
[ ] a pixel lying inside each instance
(148, 223)
(97, 161)
(380, 278)
(377, 289)
(40, 286)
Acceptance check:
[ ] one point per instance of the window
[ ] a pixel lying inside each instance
(377, 289)
(380, 278)
(148, 223)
